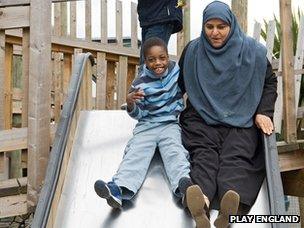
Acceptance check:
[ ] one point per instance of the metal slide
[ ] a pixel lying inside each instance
(97, 151)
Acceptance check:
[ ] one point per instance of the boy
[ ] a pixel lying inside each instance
(155, 100)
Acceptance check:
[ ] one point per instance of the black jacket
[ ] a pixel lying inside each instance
(151, 12)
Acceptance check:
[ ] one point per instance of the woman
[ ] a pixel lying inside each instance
(231, 94)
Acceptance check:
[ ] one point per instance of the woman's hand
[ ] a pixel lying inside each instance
(133, 97)
(264, 123)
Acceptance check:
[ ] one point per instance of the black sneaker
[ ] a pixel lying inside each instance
(109, 191)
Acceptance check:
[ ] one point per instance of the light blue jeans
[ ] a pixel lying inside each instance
(139, 153)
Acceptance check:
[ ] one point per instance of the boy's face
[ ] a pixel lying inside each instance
(157, 60)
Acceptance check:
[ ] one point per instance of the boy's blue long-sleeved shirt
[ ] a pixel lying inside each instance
(163, 100)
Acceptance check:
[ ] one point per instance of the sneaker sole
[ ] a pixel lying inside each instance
(196, 202)
(229, 206)
(105, 193)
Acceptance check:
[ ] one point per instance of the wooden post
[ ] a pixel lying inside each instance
(119, 23)
(101, 83)
(88, 29)
(131, 76)
(183, 37)
(110, 103)
(57, 75)
(104, 22)
(3, 157)
(73, 19)
(39, 97)
(134, 39)
(2, 72)
(25, 74)
(186, 23)
(290, 133)
(239, 8)
(67, 71)
(257, 31)
(57, 20)
(63, 17)
(88, 86)
(8, 88)
(122, 80)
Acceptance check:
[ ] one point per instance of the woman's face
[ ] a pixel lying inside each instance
(217, 32)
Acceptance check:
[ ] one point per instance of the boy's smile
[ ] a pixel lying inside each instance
(157, 60)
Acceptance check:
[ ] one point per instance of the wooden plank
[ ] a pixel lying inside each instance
(65, 161)
(88, 22)
(2, 72)
(180, 43)
(122, 80)
(57, 20)
(14, 186)
(186, 23)
(111, 78)
(134, 38)
(131, 75)
(291, 160)
(67, 71)
(93, 46)
(16, 139)
(73, 19)
(183, 37)
(290, 131)
(14, 17)
(119, 22)
(104, 22)
(25, 75)
(4, 3)
(39, 97)
(13, 206)
(4, 164)
(298, 62)
(257, 31)
(88, 86)
(64, 19)
(67, 45)
(15, 169)
(101, 83)
(270, 39)
(8, 87)
(239, 7)
(17, 51)
(293, 182)
(57, 74)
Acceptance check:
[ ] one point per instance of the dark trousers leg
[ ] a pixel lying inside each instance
(241, 164)
(202, 144)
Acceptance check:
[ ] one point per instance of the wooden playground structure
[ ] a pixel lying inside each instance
(36, 62)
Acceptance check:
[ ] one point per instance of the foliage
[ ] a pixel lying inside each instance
(277, 40)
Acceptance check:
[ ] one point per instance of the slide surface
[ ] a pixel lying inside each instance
(97, 151)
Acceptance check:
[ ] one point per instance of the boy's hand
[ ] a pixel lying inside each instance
(134, 96)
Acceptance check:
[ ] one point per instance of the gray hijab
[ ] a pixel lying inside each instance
(225, 84)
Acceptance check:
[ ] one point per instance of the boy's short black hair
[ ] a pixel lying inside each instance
(151, 42)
